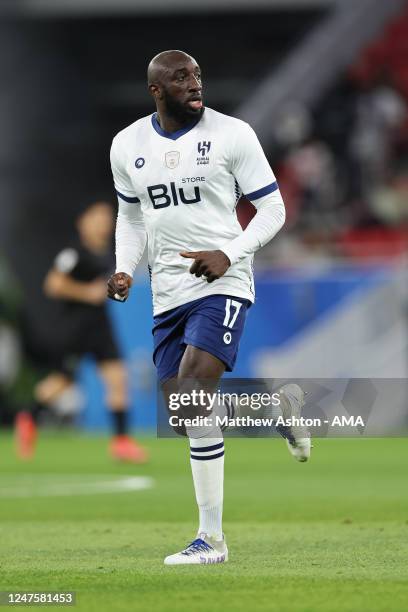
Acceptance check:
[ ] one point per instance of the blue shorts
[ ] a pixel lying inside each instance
(214, 324)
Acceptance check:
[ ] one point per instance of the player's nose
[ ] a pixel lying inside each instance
(194, 84)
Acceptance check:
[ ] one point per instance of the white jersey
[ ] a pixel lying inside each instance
(187, 184)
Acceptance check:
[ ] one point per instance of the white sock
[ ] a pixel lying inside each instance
(207, 466)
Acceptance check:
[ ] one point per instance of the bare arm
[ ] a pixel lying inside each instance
(61, 286)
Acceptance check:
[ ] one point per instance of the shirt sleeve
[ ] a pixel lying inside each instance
(123, 185)
(250, 166)
(130, 237)
(256, 180)
(269, 219)
(66, 261)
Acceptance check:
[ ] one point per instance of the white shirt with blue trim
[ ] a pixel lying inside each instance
(181, 190)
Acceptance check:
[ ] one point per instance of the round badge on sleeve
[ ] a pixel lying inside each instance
(140, 162)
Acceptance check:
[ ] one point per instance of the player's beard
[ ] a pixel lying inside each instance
(180, 112)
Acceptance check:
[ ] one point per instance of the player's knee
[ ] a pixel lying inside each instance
(116, 385)
(119, 378)
(116, 398)
(199, 364)
(194, 369)
(50, 388)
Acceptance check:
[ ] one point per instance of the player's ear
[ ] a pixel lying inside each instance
(155, 91)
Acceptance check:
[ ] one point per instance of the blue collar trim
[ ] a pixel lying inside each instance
(173, 135)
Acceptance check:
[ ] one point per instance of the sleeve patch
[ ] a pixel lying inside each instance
(66, 260)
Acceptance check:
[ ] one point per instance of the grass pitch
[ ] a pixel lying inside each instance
(330, 535)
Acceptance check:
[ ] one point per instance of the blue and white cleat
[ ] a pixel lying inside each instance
(204, 550)
(297, 435)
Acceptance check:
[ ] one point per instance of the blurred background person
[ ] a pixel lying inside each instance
(77, 282)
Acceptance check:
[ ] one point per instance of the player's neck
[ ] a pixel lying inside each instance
(172, 124)
(95, 246)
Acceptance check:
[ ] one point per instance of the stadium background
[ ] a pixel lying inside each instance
(336, 135)
(325, 85)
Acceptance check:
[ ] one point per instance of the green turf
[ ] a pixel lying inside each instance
(328, 535)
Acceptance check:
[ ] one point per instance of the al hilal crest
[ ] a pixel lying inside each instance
(172, 159)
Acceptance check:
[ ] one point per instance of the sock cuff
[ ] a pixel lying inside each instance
(213, 450)
(204, 442)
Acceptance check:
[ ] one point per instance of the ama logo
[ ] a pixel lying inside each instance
(203, 148)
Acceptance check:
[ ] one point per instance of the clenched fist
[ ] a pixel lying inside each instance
(119, 286)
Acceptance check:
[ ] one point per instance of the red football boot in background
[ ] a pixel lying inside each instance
(25, 435)
(124, 448)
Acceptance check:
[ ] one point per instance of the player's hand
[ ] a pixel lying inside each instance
(96, 292)
(119, 286)
(211, 264)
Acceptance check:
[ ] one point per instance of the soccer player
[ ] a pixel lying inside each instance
(178, 174)
(77, 281)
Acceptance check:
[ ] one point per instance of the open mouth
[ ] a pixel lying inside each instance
(195, 103)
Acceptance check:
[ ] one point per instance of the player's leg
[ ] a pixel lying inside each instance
(298, 440)
(169, 348)
(198, 341)
(212, 334)
(50, 387)
(199, 370)
(99, 340)
(60, 393)
(289, 409)
(122, 447)
(46, 393)
(44, 354)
